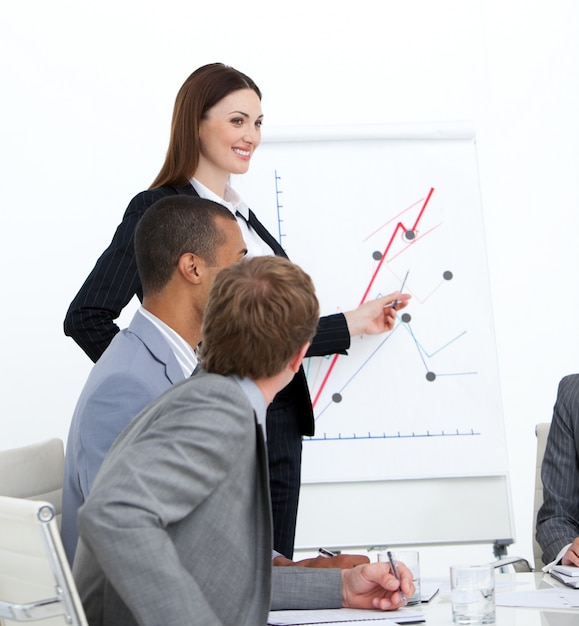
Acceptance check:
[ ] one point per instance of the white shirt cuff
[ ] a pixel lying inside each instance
(549, 566)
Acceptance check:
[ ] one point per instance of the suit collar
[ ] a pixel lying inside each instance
(257, 226)
(148, 334)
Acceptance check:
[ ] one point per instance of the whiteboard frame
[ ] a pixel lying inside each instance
(430, 511)
(423, 130)
(412, 512)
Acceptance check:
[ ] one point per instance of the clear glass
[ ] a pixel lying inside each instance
(473, 594)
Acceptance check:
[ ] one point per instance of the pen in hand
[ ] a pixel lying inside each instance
(397, 302)
(327, 554)
(395, 573)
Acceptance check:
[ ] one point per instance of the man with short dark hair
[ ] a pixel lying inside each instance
(181, 242)
(177, 528)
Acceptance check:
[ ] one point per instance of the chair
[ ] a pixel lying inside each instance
(34, 472)
(542, 432)
(35, 579)
(520, 564)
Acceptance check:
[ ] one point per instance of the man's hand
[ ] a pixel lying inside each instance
(571, 557)
(373, 586)
(376, 316)
(341, 561)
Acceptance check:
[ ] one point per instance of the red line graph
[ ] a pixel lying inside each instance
(399, 227)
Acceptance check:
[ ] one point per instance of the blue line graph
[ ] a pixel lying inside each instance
(339, 385)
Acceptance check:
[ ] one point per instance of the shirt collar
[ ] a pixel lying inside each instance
(183, 352)
(231, 199)
(256, 399)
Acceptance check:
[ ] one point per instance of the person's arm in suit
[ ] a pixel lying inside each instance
(332, 336)
(98, 422)
(111, 284)
(334, 331)
(146, 489)
(558, 517)
(109, 410)
(371, 318)
(368, 586)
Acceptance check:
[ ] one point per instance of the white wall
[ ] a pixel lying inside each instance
(87, 92)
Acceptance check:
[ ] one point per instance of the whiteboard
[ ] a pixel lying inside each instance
(365, 211)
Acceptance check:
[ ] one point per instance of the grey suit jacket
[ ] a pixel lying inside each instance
(558, 518)
(136, 368)
(177, 527)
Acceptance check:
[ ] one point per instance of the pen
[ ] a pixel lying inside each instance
(327, 554)
(395, 303)
(395, 572)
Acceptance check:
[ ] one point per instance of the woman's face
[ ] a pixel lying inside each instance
(229, 133)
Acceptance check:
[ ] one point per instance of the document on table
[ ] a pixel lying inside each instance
(428, 589)
(337, 616)
(555, 598)
(567, 574)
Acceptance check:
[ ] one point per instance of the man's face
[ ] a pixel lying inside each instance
(234, 249)
(230, 252)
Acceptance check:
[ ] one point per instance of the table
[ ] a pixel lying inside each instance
(438, 612)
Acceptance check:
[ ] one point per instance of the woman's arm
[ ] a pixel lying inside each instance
(112, 283)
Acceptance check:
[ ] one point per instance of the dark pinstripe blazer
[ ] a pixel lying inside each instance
(114, 281)
(558, 518)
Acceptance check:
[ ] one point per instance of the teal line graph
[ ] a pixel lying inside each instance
(324, 403)
(430, 375)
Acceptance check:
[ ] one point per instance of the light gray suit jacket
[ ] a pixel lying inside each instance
(558, 518)
(177, 527)
(136, 368)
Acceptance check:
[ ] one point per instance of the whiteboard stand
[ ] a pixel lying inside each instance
(432, 511)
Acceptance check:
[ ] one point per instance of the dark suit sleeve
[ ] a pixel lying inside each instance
(558, 518)
(332, 336)
(111, 285)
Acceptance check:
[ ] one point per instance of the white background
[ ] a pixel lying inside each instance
(87, 94)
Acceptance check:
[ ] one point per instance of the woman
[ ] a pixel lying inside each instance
(216, 127)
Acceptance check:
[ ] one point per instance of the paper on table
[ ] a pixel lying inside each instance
(568, 570)
(335, 616)
(570, 581)
(428, 589)
(540, 598)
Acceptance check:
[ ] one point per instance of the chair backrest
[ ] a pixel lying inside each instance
(35, 579)
(542, 432)
(34, 472)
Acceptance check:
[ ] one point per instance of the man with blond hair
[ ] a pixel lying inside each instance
(177, 528)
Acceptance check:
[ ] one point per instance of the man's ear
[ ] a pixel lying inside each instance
(296, 361)
(191, 267)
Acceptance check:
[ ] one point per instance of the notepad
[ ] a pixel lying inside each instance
(568, 570)
(339, 616)
(428, 589)
(567, 574)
